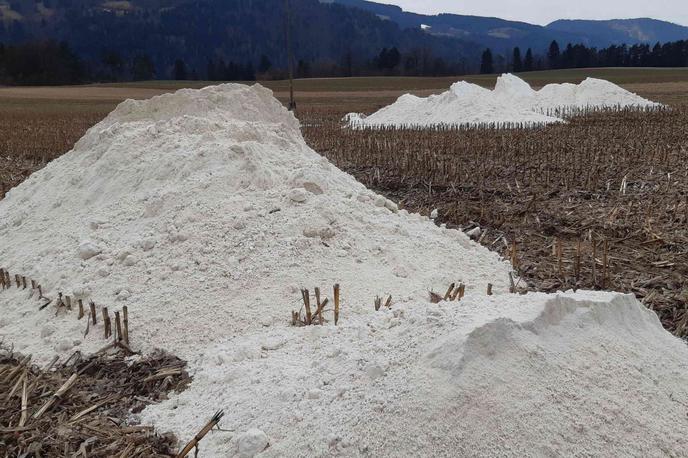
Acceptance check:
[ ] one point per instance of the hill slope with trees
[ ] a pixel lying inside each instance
(501, 35)
(219, 39)
(71, 41)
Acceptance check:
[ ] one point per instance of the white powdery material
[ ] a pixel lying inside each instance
(512, 101)
(204, 211)
(587, 374)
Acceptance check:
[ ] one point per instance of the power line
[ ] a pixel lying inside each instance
(290, 57)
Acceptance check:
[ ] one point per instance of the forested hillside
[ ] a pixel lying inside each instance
(71, 41)
(619, 31)
(225, 38)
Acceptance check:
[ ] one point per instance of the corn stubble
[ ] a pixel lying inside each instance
(81, 406)
(598, 203)
(30, 139)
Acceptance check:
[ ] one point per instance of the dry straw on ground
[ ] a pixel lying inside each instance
(80, 407)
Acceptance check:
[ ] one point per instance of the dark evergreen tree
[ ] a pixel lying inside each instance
(303, 69)
(3, 72)
(114, 65)
(567, 58)
(211, 71)
(40, 63)
(264, 65)
(348, 64)
(440, 67)
(529, 62)
(411, 64)
(517, 60)
(554, 55)
(388, 59)
(248, 72)
(487, 63)
(179, 72)
(656, 56)
(142, 68)
(393, 58)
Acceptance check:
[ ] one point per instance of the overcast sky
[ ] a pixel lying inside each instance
(545, 11)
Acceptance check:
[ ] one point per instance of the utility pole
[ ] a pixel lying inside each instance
(290, 56)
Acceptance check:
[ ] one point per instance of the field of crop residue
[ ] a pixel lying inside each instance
(288, 296)
(598, 203)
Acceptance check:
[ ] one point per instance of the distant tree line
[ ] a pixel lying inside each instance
(39, 63)
(388, 62)
(51, 62)
(673, 54)
(226, 39)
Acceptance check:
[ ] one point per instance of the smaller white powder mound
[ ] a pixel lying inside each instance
(512, 101)
(587, 374)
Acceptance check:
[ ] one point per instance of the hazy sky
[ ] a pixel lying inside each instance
(545, 11)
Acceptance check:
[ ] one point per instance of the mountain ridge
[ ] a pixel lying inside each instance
(617, 31)
(501, 35)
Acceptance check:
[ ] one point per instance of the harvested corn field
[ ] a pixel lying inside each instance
(34, 133)
(219, 228)
(550, 198)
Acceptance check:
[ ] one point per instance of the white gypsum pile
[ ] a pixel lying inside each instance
(206, 212)
(512, 102)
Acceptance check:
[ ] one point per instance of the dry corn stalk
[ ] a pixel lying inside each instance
(311, 317)
(336, 304)
(56, 397)
(201, 434)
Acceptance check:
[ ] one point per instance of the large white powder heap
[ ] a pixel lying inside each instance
(204, 211)
(512, 101)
